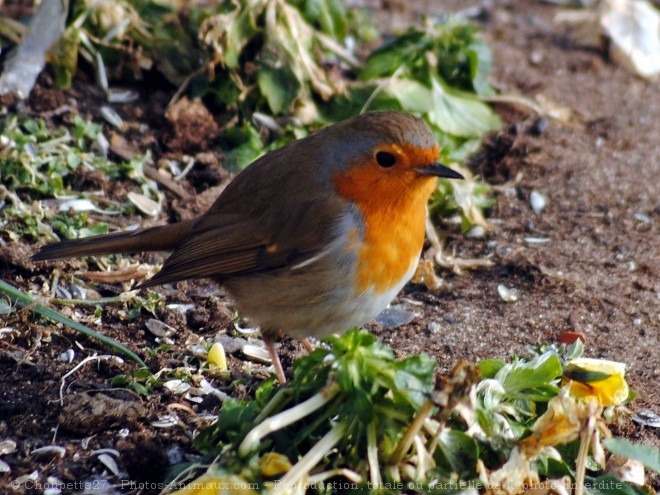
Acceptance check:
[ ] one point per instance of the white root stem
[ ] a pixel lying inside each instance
(284, 419)
(309, 460)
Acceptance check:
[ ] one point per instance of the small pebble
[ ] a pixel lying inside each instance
(433, 327)
(540, 126)
(538, 201)
(67, 356)
(507, 295)
(395, 316)
(642, 217)
(536, 57)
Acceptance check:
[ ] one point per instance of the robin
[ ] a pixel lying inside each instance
(311, 239)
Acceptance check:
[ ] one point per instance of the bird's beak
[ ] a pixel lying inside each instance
(438, 170)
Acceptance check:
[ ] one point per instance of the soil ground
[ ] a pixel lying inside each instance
(597, 274)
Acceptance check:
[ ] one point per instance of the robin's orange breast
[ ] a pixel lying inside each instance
(393, 211)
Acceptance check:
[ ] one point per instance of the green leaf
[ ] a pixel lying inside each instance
(490, 367)
(245, 144)
(240, 31)
(573, 351)
(646, 454)
(611, 485)
(413, 381)
(573, 372)
(458, 453)
(481, 65)
(234, 421)
(328, 15)
(459, 113)
(278, 84)
(553, 468)
(404, 51)
(540, 371)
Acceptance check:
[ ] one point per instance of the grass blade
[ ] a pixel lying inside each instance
(26, 301)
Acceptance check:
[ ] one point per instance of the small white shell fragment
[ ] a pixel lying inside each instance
(81, 204)
(192, 398)
(245, 330)
(101, 144)
(182, 308)
(67, 356)
(507, 295)
(177, 386)
(111, 116)
(77, 205)
(165, 422)
(476, 232)
(33, 476)
(537, 201)
(7, 447)
(642, 217)
(647, 418)
(31, 150)
(256, 353)
(206, 388)
(113, 452)
(146, 205)
(198, 350)
(109, 462)
(49, 450)
(121, 96)
(217, 357)
(537, 240)
(54, 486)
(4, 467)
(5, 330)
(158, 328)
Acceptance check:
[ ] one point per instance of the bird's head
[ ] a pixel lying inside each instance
(385, 157)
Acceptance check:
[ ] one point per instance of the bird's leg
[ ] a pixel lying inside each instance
(307, 345)
(269, 341)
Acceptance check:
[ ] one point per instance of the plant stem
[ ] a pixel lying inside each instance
(412, 430)
(285, 418)
(581, 461)
(309, 460)
(372, 455)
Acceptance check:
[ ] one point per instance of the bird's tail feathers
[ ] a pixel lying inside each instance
(161, 238)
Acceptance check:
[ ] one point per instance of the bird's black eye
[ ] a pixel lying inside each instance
(385, 159)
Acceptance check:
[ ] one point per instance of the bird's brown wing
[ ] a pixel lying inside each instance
(224, 244)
